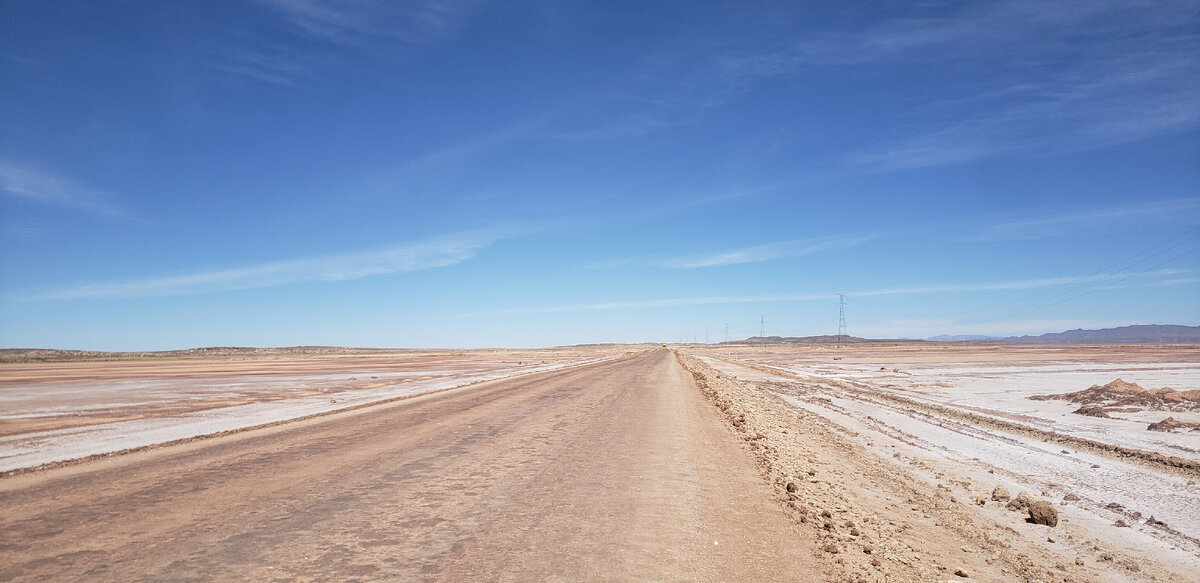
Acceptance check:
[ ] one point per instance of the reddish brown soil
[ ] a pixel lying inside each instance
(614, 471)
(1122, 394)
(23, 383)
(1172, 424)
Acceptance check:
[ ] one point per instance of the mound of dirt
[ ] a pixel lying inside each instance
(1122, 394)
(1171, 424)
(1092, 411)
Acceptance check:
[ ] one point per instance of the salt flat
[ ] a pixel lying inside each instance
(751, 462)
(875, 392)
(74, 410)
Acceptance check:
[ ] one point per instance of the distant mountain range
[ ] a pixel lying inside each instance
(963, 338)
(1137, 334)
(831, 339)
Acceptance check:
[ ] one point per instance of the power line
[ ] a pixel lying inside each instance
(841, 319)
(1031, 301)
(1050, 301)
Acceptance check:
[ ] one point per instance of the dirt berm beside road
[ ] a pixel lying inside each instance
(877, 521)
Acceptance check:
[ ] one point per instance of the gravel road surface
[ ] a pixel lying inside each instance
(614, 471)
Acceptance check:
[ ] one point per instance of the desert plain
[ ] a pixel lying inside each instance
(732, 462)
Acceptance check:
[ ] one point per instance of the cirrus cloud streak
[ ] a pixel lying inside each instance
(413, 256)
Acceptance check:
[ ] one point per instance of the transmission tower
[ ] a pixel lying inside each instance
(727, 332)
(762, 327)
(841, 319)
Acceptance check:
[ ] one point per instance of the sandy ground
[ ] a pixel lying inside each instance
(616, 471)
(756, 463)
(56, 412)
(946, 455)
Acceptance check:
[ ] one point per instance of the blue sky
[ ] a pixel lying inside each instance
(446, 173)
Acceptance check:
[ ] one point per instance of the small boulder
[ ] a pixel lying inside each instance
(1022, 502)
(1042, 512)
(1092, 411)
(792, 487)
(1000, 494)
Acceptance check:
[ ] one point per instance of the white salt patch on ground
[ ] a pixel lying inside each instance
(1131, 485)
(34, 449)
(39, 399)
(1023, 463)
(1003, 391)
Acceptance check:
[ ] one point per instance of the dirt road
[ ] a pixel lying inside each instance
(612, 471)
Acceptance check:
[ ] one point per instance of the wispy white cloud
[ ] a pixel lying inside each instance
(828, 296)
(356, 21)
(425, 254)
(324, 29)
(614, 263)
(42, 187)
(1062, 77)
(617, 131)
(468, 148)
(665, 303)
(1074, 284)
(268, 64)
(966, 287)
(452, 156)
(1175, 210)
(1176, 281)
(1134, 75)
(21, 232)
(750, 254)
(770, 251)
(1142, 101)
(733, 193)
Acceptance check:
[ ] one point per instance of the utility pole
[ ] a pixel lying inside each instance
(762, 327)
(727, 331)
(841, 319)
(706, 335)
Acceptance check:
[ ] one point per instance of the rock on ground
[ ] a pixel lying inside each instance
(1042, 512)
